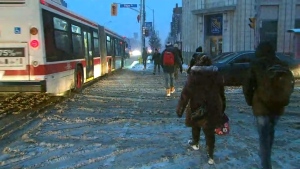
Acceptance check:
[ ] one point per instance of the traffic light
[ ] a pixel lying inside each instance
(146, 32)
(114, 10)
(252, 23)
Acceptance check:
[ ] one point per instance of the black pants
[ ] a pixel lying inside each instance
(209, 138)
(145, 63)
(176, 72)
(156, 65)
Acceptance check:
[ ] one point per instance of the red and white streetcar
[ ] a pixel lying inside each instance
(44, 47)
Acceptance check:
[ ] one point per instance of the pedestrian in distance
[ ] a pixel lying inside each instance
(195, 57)
(176, 48)
(204, 91)
(169, 58)
(156, 60)
(267, 89)
(144, 57)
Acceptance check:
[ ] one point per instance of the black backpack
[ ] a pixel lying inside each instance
(277, 86)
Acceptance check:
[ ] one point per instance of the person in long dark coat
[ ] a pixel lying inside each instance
(156, 59)
(266, 117)
(144, 57)
(204, 87)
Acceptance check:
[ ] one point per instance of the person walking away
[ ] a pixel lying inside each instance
(156, 60)
(144, 57)
(180, 56)
(204, 90)
(267, 89)
(169, 58)
(195, 57)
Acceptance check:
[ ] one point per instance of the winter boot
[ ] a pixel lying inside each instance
(168, 91)
(172, 89)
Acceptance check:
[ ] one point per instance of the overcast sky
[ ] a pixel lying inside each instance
(126, 22)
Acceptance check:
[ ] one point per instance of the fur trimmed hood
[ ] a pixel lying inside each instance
(204, 69)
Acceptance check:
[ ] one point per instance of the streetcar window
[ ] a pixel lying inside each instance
(95, 34)
(60, 24)
(96, 44)
(108, 46)
(62, 43)
(90, 44)
(76, 29)
(77, 42)
(62, 39)
(117, 47)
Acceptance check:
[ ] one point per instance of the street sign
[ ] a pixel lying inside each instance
(148, 25)
(128, 5)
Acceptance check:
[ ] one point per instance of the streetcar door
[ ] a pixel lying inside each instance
(88, 55)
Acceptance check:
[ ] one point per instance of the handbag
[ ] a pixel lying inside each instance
(200, 113)
(224, 128)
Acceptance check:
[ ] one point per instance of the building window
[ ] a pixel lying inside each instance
(297, 23)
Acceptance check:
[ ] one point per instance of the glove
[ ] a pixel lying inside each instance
(179, 114)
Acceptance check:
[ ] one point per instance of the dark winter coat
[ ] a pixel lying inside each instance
(156, 58)
(194, 59)
(199, 49)
(254, 81)
(144, 55)
(204, 86)
(170, 69)
(179, 54)
(265, 56)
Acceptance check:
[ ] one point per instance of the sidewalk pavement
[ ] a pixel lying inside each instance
(125, 121)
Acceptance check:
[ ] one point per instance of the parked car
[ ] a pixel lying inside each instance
(234, 67)
(220, 56)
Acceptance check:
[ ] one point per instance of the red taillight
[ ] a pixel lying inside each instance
(42, 2)
(34, 43)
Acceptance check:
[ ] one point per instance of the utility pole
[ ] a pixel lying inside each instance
(144, 19)
(142, 23)
(153, 19)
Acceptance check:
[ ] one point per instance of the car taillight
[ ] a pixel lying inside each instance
(34, 43)
(43, 2)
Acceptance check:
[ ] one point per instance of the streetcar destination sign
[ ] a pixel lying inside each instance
(12, 52)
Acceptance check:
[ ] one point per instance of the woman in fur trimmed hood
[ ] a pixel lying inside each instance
(204, 88)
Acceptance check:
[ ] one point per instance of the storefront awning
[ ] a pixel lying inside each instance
(297, 31)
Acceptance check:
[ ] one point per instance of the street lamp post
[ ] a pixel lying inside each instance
(152, 18)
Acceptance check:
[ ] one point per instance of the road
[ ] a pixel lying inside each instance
(125, 121)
